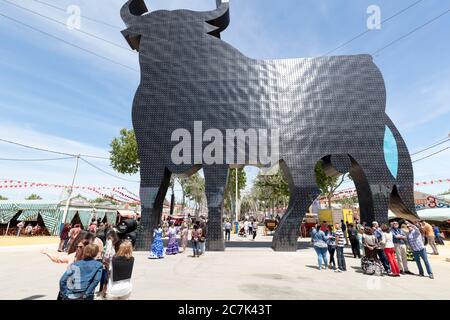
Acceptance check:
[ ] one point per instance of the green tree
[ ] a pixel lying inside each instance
(3, 198)
(271, 191)
(195, 190)
(327, 184)
(124, 153)
(99, 200)
(33, 197)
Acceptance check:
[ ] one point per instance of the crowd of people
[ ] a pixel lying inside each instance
(94, 258)
(248, 227)
(97, 257)
(28, 229)
(383, 250)
(198, 239)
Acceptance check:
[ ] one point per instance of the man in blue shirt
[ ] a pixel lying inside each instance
(415, 241)
(399, 238)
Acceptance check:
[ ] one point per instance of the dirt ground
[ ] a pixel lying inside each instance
(6, 241)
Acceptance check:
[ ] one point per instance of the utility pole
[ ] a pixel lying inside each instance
(236, 202)
(66, 210)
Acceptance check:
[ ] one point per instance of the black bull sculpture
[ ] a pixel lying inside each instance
(325, 108)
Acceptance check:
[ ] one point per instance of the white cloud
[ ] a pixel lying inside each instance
(55, 172)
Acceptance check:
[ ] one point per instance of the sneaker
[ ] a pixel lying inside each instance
(338, 270)
(431, 276)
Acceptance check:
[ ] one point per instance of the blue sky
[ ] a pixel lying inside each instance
(56, 96)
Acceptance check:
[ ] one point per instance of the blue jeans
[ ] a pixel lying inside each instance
(195, 247)
(341, 259)
(422, 254)
(321, 256)
(227, 235)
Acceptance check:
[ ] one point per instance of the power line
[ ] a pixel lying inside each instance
(430, 155)
(64, 24)
(83, 16)
(431, 147)
(106, 172)
(69, 43)
(50, 151)
(368, 30)
(26, 160)
(411, 32)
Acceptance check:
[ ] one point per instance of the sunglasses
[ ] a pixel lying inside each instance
(80, 247)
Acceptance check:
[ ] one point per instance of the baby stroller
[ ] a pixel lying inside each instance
(242, 232)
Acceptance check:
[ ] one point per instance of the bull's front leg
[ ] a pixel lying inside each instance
(215, 182)
(303, 191)
(154, 185)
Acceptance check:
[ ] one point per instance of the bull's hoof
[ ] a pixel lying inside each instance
(143, 241)
(215, 245)
(284, 244)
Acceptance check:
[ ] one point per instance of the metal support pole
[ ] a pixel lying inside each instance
(7, 228)
(236, 202)
(66, 209)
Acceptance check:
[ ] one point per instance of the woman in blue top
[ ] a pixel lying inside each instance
(319, 241)
(82, 277)
(331, 242)
(157, 249)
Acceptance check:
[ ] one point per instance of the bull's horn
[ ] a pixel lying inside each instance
(131, 10)
(219, 18)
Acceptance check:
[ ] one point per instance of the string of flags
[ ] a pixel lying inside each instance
(118, 194)
(123, 195)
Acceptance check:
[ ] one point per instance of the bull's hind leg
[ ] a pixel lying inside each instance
(303, 191)
(402, 200)
(154, 184)
(374, 185)
(215, 182)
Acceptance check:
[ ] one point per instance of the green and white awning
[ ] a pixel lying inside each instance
(52, 220)
(28, 215)
(7, 212)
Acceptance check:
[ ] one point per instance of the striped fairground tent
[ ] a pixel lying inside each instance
(85, 217)
(49, 212)
(100, 214)
(70, 214)
(111, 216)
(7, 211)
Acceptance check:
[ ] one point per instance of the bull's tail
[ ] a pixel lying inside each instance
(402, 198)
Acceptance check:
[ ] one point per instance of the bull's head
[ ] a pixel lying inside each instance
(133, 14)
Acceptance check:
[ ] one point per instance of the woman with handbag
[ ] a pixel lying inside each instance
(370, 263)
